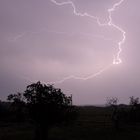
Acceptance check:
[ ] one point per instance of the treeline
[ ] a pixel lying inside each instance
(122, 113)
(44, 106)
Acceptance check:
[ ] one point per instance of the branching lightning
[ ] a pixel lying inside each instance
(28, 33)
(116, 58)
(69, 77)
(81, 78)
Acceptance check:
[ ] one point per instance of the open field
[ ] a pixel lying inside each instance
(93, 123)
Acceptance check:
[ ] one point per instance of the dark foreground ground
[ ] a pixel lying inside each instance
(93, 123)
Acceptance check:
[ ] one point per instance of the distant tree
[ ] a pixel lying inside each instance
(1, 109)
(4, 111)
(47, 106)
(112, 102)
(134, 101)
(135, 109)
(17, 106)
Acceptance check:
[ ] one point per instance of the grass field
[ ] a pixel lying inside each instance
(93, 123)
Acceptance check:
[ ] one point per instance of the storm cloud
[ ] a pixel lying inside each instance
(42, 41)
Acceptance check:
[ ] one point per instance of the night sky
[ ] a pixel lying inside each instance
(40, 40)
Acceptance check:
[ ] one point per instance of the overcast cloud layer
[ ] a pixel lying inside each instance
(42, 41)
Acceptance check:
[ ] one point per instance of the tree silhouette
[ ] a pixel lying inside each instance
(112, 102)
(17, 106)
(135, 109)
(134, 101)
(46, 104)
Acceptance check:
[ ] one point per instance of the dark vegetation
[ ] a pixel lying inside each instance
(44, 112)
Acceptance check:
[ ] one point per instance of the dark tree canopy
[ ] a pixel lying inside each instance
(46, 103)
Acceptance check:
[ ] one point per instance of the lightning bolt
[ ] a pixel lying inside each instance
(81, 78)
(116, 58)
(69, 77)
(27, 33)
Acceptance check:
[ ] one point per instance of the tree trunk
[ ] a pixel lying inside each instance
(44, 133)
(41, 132)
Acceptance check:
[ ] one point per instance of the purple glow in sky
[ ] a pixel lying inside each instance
(45, 40)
